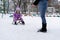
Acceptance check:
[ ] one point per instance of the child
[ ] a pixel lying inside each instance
(17, 16)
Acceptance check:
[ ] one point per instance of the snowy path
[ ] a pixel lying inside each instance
(29, 31)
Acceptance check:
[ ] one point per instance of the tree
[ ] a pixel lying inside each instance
(4, 5)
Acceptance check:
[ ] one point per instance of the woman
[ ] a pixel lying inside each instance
(42, 8)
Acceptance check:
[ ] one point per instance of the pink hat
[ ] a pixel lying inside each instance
(18, 8)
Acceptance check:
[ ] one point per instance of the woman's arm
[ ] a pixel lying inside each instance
(36, 2)
(49, 1)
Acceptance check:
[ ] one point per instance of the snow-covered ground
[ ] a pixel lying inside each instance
(8, 31)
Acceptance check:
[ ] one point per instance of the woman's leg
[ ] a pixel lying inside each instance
(42, 9)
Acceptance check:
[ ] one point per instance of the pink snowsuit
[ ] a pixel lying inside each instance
(17, 16)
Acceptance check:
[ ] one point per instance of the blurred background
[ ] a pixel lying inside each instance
(9, 6)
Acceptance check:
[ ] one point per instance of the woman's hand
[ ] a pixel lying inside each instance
(33, 5)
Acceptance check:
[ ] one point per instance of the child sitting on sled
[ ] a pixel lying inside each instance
(17, 16)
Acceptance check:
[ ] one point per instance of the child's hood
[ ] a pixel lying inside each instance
(17, 8)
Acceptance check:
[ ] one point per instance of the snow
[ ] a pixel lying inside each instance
(8, 31)
(58, 0)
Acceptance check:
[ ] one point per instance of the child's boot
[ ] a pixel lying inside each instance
(15, 23)
(23, 22)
